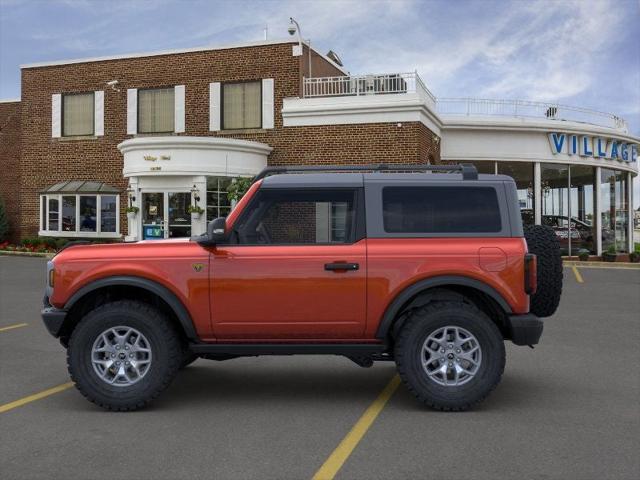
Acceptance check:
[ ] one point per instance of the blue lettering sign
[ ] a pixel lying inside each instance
(573, 148)
(601, 149)
(614, 150)
(624, 152)
(634, 153)
(585, 147)
(557, 142)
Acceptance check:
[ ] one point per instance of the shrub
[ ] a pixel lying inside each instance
(583, 255)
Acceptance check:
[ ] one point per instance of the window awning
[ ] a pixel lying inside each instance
(81, 186)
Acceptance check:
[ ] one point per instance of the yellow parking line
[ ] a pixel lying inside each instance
(577, 274)
(11, 327)
(335, 461)
(36, 396)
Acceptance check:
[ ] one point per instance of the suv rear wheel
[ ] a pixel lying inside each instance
(450, 355)
(123, 354)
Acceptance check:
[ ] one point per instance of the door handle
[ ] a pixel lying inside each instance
(341, 266)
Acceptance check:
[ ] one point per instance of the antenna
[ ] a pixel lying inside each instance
(266, 32)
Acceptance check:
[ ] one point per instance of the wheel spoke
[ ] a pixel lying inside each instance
(457, 358)
(124, 343)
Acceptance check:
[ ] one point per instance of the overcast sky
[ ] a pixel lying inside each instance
(579, 52)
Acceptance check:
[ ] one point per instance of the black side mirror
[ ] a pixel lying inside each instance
(216, 233)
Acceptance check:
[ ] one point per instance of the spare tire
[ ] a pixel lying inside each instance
(543, 243)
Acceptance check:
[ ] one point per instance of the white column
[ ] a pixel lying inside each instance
(630, 211)
(598, 212)
(199, 226)
(134, 223)
(537, 188)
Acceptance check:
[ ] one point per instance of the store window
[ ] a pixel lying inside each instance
(290, 217)
(218, 204)
(522, 173)
(69, 210)
(78, 114)
(581, 206)
(555, 201)
(241, 105)
(156, 110)
(614, 210)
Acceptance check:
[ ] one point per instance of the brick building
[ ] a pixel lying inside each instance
(165, 130)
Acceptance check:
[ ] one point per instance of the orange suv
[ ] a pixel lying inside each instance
(427, 266)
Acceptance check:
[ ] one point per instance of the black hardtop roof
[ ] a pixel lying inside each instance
(351, 180)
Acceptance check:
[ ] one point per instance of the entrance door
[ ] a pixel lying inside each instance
(164, 215)
(297, 269)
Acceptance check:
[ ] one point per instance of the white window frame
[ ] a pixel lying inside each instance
(44, 215)
(98, 114)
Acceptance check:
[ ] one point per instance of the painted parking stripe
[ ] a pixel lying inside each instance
(36, 396)
(342, 452)
(11, 327)
(577, 274)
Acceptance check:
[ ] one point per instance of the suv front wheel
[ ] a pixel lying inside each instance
(450, 355)
(123, 354)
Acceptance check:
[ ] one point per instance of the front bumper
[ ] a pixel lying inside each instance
(53, 318)
(525, 329)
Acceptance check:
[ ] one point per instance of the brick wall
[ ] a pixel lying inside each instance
(10, 163)
(45, 161)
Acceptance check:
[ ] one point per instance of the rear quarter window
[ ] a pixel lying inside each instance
(441, 209)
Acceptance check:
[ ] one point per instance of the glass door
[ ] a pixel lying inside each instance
(153, 216)
(179, 218)
(164, 215)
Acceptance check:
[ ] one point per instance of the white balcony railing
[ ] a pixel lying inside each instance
(400, 83)
(357, 85)
(525, 108)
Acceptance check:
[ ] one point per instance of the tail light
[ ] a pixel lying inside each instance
(530, 273)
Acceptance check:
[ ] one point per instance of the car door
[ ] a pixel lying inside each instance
(295, 268)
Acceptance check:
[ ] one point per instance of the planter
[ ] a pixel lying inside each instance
(634, 257)
(131, 216)
(195, 216)
(609, 257)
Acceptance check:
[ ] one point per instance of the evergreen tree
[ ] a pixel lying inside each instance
(4, 222)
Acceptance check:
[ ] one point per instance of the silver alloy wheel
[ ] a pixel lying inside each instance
(451, 356)
(121, 356)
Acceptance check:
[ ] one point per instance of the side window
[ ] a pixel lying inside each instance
(289, 217)
(440, 210)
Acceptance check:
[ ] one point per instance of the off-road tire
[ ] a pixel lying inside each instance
(167, 354)
(408, 350)
(543, 242)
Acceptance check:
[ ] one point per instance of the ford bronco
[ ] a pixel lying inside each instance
(427, 266)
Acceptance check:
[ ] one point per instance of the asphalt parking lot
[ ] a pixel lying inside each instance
(568, 409)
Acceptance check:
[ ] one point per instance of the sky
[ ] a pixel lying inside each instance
(583, 53)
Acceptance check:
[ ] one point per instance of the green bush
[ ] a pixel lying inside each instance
(4, 222)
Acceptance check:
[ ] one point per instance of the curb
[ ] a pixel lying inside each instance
(611, 265)
(9, 253)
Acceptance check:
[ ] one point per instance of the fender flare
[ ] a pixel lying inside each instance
(409, 292)
(160, 290)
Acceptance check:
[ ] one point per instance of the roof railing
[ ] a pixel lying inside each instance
(469, 172)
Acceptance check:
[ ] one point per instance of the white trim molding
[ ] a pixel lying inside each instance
(391, 108)
(56, 115)
(188, 156)
(174, 52)
(214, 107)
(268, 113)
(98, 112)
(179, 100)
(132, 111)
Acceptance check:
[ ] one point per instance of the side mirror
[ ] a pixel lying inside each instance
(216, 233)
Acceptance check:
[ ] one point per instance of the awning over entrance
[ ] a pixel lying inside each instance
(81, 186)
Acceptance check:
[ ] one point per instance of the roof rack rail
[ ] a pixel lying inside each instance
(469, 172)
